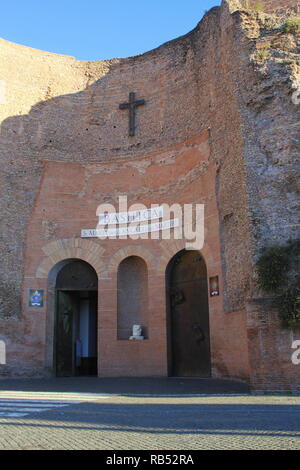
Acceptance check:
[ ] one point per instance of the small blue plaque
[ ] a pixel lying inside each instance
(36, 298)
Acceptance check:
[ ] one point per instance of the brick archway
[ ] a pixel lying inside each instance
(67, 248)
(131, 250)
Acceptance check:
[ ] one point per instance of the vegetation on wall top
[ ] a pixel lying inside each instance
(257, 6)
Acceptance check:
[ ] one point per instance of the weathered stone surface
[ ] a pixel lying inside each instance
(279, 7)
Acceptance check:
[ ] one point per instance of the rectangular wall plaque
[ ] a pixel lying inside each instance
(36, 298)
(131, 230)
(214, 286)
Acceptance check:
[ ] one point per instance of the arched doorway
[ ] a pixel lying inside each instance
(188, 316)
(75, 337)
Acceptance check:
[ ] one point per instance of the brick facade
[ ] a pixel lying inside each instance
(203, 136)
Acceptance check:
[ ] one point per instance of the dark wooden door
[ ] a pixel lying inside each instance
(189, 316)
(65, 317)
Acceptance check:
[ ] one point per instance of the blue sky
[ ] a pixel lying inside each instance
(99, 29)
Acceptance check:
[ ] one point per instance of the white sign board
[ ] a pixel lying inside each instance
(131, 230)
(131, 216)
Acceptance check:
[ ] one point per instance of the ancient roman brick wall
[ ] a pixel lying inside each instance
(62, 114)
(270, 113)
(70, 113)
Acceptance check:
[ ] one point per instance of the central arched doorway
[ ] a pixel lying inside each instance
(75, 338)
(188, 316)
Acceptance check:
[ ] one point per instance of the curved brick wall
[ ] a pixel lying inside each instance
(61, 109)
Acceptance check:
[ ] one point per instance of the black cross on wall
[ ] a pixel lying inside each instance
(132, 105)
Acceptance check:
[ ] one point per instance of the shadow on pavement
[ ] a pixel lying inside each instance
(130, 386)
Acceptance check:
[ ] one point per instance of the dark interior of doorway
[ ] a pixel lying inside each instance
(76, 333)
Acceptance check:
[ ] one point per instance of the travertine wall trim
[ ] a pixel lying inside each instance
(65, 248)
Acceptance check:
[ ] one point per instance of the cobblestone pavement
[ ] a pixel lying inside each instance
(58, 419)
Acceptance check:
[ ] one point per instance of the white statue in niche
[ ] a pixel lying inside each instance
(136, 332)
